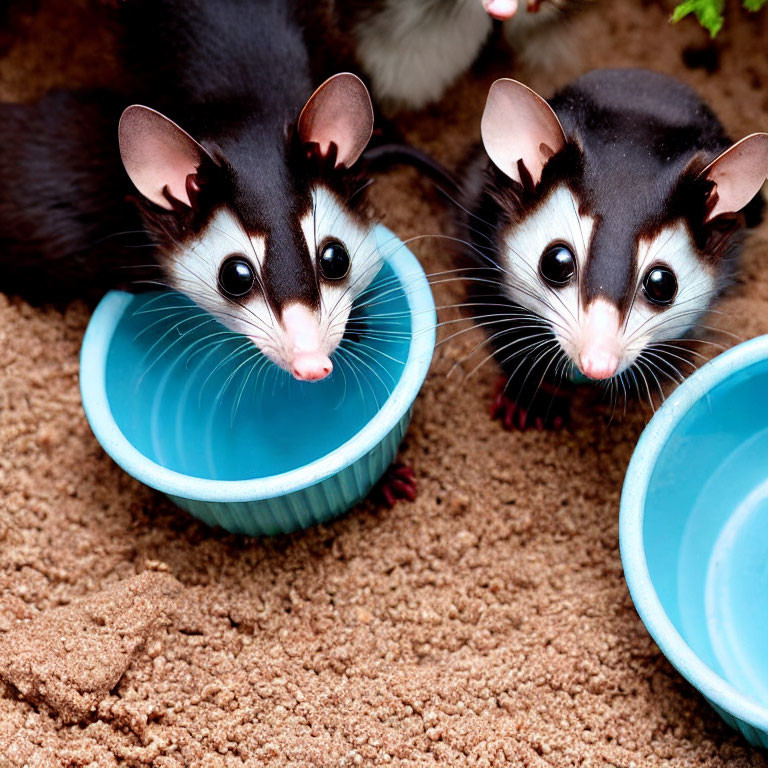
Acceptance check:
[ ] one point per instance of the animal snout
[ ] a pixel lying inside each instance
(311, 366)
(600, 340)
(598, 363)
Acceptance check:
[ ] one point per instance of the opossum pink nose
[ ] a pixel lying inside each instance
(500, 9)
(311, 366)
(598, 364)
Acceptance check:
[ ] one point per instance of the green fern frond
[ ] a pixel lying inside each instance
(710, 12)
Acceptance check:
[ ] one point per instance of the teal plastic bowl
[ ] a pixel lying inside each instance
(694, 533)
(194, 411)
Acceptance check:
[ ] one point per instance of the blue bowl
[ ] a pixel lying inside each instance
(694, 533)
(194, 411)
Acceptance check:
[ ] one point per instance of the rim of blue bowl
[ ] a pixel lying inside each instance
(93, 358)
(655, 436)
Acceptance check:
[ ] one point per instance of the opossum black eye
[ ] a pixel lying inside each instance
(557, 265)
(333, 261)
(660, 285)
(236, 276)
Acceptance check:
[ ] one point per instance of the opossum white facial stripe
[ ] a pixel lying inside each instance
(696, 287)
(329, 223)
(298, 338)
(555, 220)
(597, 339)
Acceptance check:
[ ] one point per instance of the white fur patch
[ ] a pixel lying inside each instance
(540, 39)
(330, 221)
(696, 287)
(195, 272)
(195, 269)
(557, 219)
(413, 51)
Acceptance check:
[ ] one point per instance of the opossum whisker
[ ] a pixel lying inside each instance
(336, 309)
(395, 280)
(664, 360)
(638, 366)
(254, 355)
(466, 210)
(533, 345)
(354, 363)
(390, 329)
(375, 349)
(339, 360)
(218, 342)
(625, 394)
(512, 312)
(659, 248)
(380, 298)
(380, 334)
(164, 350)
(371, 369)
(551, 292)
(675, 344)
(475, 325)
(265, 369)
(214, 288)
(254, 320)
(613, 391)
(488, 339)
(525, 355)
(243, 348)
(257, 364)
(342, 356)
(258, 278)
(501, 332)
(548, 350)
(651, 368)
(555, 358)
(167, 317)
(665, 319)
(206, 319)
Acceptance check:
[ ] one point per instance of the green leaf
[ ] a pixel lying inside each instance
(754, 5)
(708, 12)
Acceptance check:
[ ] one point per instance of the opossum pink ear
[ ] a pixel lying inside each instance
(518, 125)
(339, 113)
(738, 175)
(158, 155)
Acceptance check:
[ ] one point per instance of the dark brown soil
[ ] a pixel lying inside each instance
(486, 624)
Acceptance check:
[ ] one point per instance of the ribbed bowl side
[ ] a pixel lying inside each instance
(754, 736)
(318, 503)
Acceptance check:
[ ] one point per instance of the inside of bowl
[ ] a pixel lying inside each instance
(706, 530)
(205, 402)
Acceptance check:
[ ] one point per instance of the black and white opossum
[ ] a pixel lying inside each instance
(67, 226)
(412, 50)
(248, 201)
(602, 226)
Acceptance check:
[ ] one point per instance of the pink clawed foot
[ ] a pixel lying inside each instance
(398, 483)
(550, 411)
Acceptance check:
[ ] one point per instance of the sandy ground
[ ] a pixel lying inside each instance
(487, 623)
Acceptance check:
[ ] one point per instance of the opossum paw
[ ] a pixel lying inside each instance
(398, 483)
(546, 409)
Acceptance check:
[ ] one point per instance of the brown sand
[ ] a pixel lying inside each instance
(486, 624)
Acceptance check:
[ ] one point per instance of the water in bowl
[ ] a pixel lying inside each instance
(706, 530)
(211, 406)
